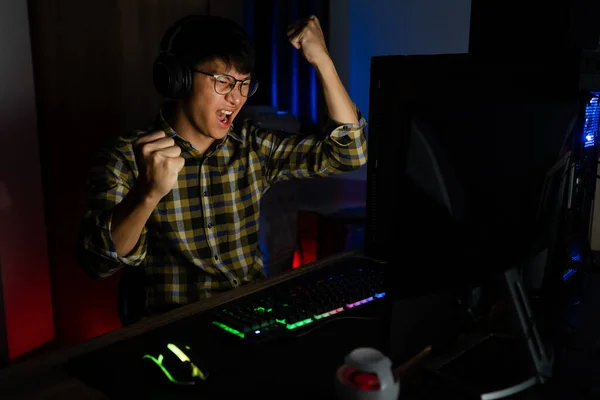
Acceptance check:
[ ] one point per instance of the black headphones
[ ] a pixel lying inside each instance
(172, 76)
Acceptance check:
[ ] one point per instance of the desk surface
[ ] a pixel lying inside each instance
(67, 373)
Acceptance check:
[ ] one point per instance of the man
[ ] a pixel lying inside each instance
(180, 201)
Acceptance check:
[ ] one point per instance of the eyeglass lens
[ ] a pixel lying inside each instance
(225, 84)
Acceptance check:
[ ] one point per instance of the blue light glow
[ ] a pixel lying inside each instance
(590, 127)
(575, 252)
(568, 274)
(274, 36)
(313, 95)
(294, 91)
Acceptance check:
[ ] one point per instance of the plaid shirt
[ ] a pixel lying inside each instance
(203, 236)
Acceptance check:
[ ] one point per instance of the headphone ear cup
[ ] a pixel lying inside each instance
(172, 78)
(186, 80)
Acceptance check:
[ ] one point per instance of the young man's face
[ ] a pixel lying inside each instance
(209, 112)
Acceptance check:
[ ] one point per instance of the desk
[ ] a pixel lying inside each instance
(67, 373)
(305, 365)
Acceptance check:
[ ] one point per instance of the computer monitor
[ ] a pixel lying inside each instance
(459, 146)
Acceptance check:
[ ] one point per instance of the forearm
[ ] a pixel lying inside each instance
(129, 218)
(340, 106)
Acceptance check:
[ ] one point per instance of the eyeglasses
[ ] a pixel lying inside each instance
(224, 84)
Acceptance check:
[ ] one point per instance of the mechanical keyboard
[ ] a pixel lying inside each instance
(288, 307)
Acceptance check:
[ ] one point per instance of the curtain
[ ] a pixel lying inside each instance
(287, 81)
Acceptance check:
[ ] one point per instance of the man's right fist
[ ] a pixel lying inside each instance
(159, 162)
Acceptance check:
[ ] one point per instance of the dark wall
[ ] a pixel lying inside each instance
(535, 26)
(26, 320)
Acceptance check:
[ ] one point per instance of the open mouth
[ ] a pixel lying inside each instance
(225, 117)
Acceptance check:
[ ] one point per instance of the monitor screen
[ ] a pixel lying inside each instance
(459, 147)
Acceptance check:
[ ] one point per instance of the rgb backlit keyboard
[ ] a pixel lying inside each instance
(295, 304)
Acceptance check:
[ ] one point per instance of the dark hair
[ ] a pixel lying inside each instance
(201, 38)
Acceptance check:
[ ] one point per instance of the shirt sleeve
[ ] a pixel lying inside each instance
(109, 180)
(289, 155)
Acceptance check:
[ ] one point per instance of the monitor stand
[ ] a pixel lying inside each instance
(490, 365)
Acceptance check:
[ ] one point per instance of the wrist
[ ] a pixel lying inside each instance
(144, 196)
(323, 63)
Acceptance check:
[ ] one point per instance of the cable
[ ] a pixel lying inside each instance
(331, 320)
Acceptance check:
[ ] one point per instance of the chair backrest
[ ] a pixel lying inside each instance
(131, 295)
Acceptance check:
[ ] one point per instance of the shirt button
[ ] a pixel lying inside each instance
(210, 225)
(216, 257)
(235, 282)
(206, 193)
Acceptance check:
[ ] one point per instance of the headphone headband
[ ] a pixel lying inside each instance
(166, 45)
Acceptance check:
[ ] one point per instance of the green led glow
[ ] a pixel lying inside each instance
(177, 351)
(262, 309)
(228, 329)
(299, 323)
(165, 371)
(283, 321)
(197, 373)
